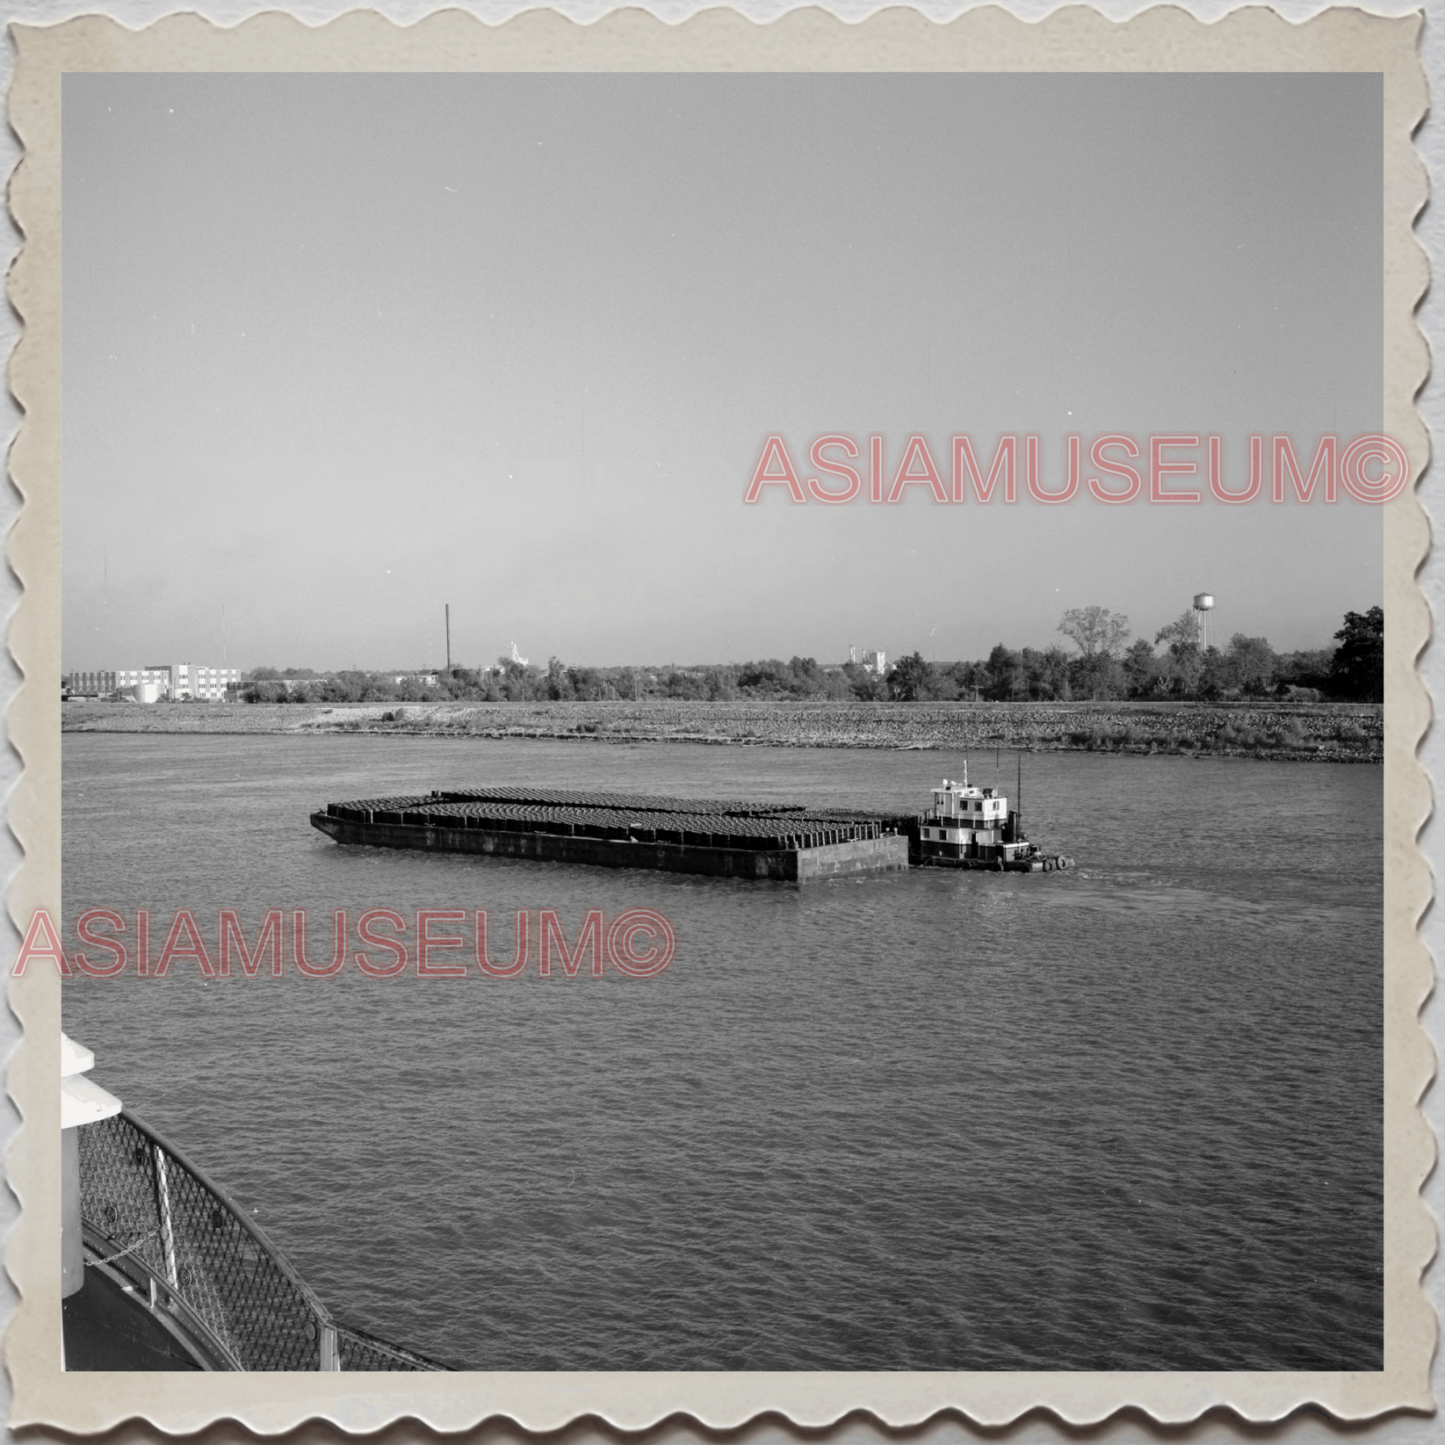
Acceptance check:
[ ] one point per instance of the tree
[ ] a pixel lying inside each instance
(1183, 668)
(1216, 676)
(1303, 672)
(966, 676)
(939, 686)
(1007, 679)
(1182, 632)
(559, 684)
(1095, 631)
(908, 678)
(722, 683)
(805, 677)
(1253, 665)
(1140, 669)
(867, 686)
(1358, 669)
(589, 685)
(686, 686)
(761, 679)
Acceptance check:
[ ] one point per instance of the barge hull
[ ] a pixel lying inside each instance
(888, 854)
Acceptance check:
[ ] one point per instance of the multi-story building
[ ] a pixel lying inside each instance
(189, 679)
(90, 684)
(175, 680)
(875, 662)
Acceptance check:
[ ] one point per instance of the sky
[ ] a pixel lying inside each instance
(341, 350)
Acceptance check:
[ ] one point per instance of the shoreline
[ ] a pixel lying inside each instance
(1273, 731)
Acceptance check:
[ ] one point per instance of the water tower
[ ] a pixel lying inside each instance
(1203, 605)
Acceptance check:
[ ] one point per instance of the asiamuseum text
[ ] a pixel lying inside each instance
(1175, 468)
(638, 943)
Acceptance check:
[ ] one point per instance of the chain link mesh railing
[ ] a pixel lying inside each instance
(159, 1221)
(361, 1351)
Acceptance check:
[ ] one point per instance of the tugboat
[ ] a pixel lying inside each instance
(974, 828)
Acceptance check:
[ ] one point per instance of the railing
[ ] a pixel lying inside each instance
(153, 1217)
(358, 1350)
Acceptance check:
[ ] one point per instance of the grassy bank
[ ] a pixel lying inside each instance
(1338, 732)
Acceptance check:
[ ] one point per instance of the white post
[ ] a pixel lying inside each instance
(81, 1102)
(168, 1239)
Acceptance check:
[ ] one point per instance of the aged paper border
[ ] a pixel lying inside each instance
(1075, 39)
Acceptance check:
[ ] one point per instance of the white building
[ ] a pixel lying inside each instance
(875, 662)
(175, 680)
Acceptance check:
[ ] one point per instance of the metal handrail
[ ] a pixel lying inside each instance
(241, 1218)
(158, 1218)
(178, 1318)
(355, 1346)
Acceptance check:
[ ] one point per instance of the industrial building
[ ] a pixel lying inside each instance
(177, 681)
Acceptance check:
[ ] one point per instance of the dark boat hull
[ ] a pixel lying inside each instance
(887, 854)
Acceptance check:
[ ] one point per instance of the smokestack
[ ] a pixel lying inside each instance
(449, 638)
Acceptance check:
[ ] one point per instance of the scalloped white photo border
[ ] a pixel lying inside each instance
(1074, 39)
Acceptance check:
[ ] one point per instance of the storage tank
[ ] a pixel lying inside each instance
(1203, 601)
(146, 692)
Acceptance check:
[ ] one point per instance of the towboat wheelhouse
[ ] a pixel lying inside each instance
(972, 827)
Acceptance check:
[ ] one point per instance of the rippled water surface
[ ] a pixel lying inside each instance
(1122, 1118)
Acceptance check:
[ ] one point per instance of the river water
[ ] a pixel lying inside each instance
(1127, 1117)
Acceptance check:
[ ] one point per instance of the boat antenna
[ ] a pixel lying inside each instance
(1019, 823)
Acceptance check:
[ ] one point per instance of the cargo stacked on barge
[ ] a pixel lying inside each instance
(727, 839)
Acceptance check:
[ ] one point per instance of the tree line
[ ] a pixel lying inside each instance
(1102, 665)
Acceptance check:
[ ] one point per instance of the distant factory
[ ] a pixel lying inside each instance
(873, 661)
(176, 682)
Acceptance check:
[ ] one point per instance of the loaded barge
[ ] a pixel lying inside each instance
(966, 828)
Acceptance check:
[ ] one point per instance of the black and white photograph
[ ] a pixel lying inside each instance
(723, 722)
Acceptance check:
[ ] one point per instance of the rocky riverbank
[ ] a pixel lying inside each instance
(1336, 732)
